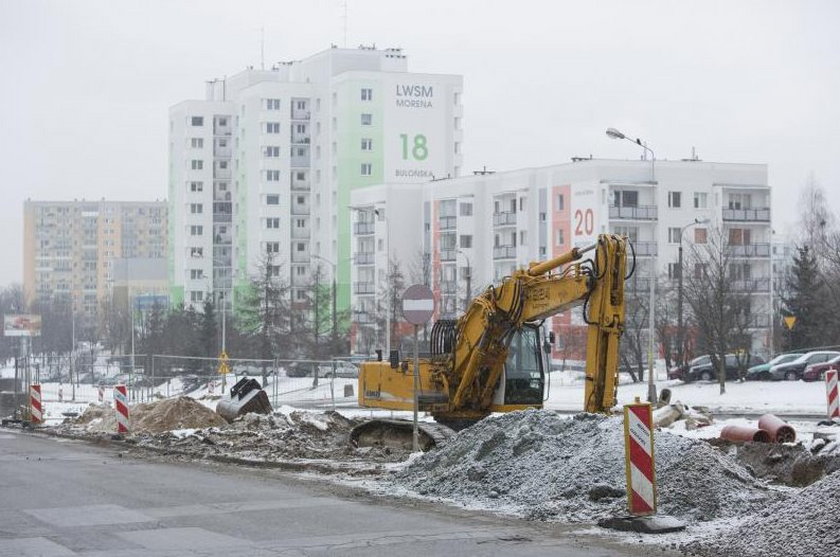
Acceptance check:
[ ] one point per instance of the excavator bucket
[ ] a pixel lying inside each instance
(245, 397)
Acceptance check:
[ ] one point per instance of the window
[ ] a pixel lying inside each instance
(272, 127)
(466, 240)
(196, 274)
(300, 200)
(299, 151)
(673, 270)
(465, 209)
(632, 232)
(196, 295)
(223, 143)
(196, 208)
(739, 236)
(272, 223)
(523, 237)
(367, 144)
(700, 235)
(625, 198)
(223, 121)
(300, 246)
(196, 143)
(272, 104)
(271, 151)
(674, 199)
(367, 119)
(367, 94)
(272, 199)
(197, 164)
(367, 169)
(197, 120)
(701, 200)
(561, 202)
(301, 105)
(559, 239)
(700, 270)
(196, 230)
(272, 175)
(740, 201)
(196, 252)
(274, 270)
(196, 186)
(272, 247)
(300, 176)
(674, 235)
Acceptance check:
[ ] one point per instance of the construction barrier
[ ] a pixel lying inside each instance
(36, 410)
(121, 406)
(639, 458)
(832, 394)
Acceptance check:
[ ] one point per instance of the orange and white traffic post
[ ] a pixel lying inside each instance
(639, 458)
(121, 406)
(36, 409)
(832, 394)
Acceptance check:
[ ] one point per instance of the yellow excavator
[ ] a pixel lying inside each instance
(491, 359)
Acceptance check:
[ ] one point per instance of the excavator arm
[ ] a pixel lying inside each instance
(530, 295)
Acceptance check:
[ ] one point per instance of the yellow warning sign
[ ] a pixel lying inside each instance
(790, 321)
(224, 368)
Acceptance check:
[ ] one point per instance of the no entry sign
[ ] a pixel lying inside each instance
(418, 304)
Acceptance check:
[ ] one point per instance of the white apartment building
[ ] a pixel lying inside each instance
(266, 164)
(477, 229)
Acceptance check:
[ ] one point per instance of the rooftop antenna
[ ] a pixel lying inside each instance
(345, 19)
(262, 48)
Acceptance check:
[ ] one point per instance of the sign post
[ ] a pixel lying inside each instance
(418, 305)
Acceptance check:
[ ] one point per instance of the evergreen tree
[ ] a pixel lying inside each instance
(208, 334)
(806, 301)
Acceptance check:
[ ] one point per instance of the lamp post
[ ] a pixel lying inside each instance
(468, 297)
(613, 133)
(334, 285)
(680, 326)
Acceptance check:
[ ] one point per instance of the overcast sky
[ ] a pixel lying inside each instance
(86, 85)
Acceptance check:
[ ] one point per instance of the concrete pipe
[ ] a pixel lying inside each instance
(741, 433)
(779, 430)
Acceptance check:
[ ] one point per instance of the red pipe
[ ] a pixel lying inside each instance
(779, 430)
(741, 433)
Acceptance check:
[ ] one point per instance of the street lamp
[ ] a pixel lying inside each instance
(334, 315)
(613, 133)
(680, 327)
(468, 297)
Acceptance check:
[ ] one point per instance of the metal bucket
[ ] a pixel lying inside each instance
(245, 397)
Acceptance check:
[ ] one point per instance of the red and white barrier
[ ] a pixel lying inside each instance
(36, 409)
(832, 394)
(121, 406)
(639, 459)
(101, 394)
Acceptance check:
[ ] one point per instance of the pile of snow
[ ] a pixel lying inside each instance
(802, 526)
(546, 467)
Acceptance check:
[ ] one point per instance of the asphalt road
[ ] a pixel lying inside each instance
(61, 498)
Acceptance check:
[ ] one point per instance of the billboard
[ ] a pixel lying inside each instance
(22, 325)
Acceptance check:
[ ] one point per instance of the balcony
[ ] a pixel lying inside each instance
(299, 161)
(747, 215)
(299, 113)
(364, 228)
(300, 184)
(749, 250)
(504, 252)
(640, 212)
(300, 138)
(645, 249)
(364, 288)
(298, 280)
(300, 256)
(751, 285)
(448, 254)
(504, 219)
(222, 152)
(447, 223)
(364, 258)
(220, 195)
(300, 209)
(222, 239)
(221, 173)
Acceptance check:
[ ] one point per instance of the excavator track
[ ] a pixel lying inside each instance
(398, 434)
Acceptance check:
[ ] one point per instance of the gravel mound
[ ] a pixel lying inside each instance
(155, 417)
(547, 467)
(805, 525)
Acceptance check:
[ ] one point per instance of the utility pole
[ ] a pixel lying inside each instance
(72, 348)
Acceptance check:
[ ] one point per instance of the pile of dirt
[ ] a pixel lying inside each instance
(792, 465)
(295, 435)
(802, 526)
(547, 467)
(154, 417)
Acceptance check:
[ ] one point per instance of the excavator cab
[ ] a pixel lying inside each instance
(524, 376)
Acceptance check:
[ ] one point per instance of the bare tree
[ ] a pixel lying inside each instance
(718, 290)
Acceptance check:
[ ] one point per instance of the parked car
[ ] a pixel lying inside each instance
(761, 372)
(341, 368)
(680, 372)
(816, 372)
(704, 370)
(300, 369)
(794, 370)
